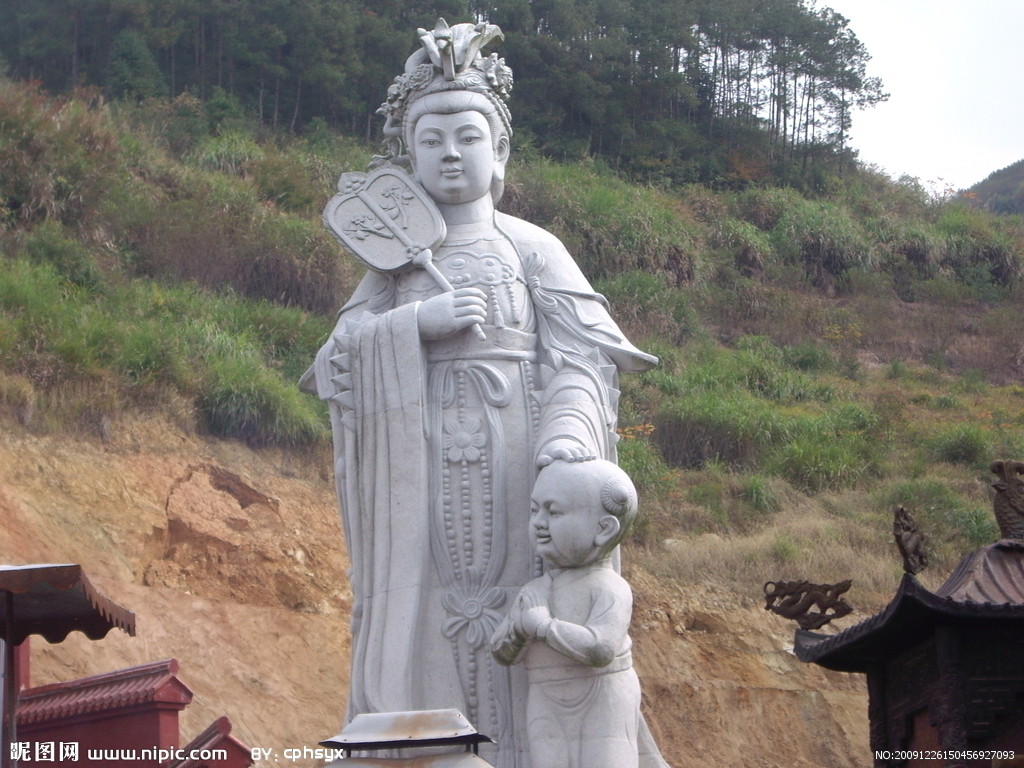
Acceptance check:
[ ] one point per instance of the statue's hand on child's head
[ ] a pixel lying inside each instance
(563, 449)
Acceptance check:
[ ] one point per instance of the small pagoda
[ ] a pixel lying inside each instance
(945, 669)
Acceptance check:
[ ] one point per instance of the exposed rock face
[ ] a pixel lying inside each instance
(234, 564)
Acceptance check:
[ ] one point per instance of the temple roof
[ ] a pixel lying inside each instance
(54, 600)
(155, 683)
(987, 586)
(992, 575)
(216, 736)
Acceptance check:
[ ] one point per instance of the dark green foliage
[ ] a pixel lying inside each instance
(241, 398)
(179, 124)
(665, 90)
(87, 207)
(824, 239)
(751, 248)
(750, 398)
(224, 111)
(220, 236)
(1002, 191)
(809, 357)
(826, 460)
(733, 428)
(132, 72)
(282, 179)
(643, 463)
(748, 408)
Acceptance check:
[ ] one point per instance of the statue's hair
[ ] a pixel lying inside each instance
(619, 498)
(615, 491)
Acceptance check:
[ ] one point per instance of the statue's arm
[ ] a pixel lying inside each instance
(574, 425)
(581, 351)
(598, 640)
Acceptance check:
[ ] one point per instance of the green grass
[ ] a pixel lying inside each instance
(609, 225)
(138, 342)
(954, 519)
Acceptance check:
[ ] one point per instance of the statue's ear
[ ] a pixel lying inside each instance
(501, 154)
(503, 150)
(607, 529)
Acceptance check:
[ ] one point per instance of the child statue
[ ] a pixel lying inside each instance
(445, 402)
(570, 626)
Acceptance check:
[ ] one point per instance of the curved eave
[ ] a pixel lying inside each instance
(906, 621)
(53, 601)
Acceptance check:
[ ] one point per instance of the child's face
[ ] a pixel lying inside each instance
(564, 520)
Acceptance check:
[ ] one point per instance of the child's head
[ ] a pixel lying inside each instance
(580, 511)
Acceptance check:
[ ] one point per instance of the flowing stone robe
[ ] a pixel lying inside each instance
(436, 445)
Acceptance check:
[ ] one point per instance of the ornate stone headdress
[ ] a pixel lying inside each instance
(449, 60)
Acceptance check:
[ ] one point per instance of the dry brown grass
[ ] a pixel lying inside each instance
(823, 539)
(801, 543)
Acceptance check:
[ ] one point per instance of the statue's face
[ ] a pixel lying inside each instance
(454, 156)
(565, 515)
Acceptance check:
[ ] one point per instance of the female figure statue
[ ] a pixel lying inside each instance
(439, 433)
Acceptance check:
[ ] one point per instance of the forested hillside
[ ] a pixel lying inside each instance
(717, 91)
(1001, 191)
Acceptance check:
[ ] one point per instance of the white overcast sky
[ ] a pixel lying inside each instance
(954, 70)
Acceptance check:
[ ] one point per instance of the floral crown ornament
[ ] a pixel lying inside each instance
(449, 60)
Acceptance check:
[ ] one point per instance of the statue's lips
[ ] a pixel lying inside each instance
(451, 173)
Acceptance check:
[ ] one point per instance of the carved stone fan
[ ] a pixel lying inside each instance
(388, 222)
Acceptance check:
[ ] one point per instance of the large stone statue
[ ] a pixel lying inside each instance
(452, 376)
(570, 626)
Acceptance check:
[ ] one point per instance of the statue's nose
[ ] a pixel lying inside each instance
(451, 153)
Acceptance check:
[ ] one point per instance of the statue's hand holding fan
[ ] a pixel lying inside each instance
(388, 222)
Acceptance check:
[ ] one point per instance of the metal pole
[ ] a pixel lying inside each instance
(10, 691)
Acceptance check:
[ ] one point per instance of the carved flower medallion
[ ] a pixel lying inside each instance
(472, 609)
(462, 440)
